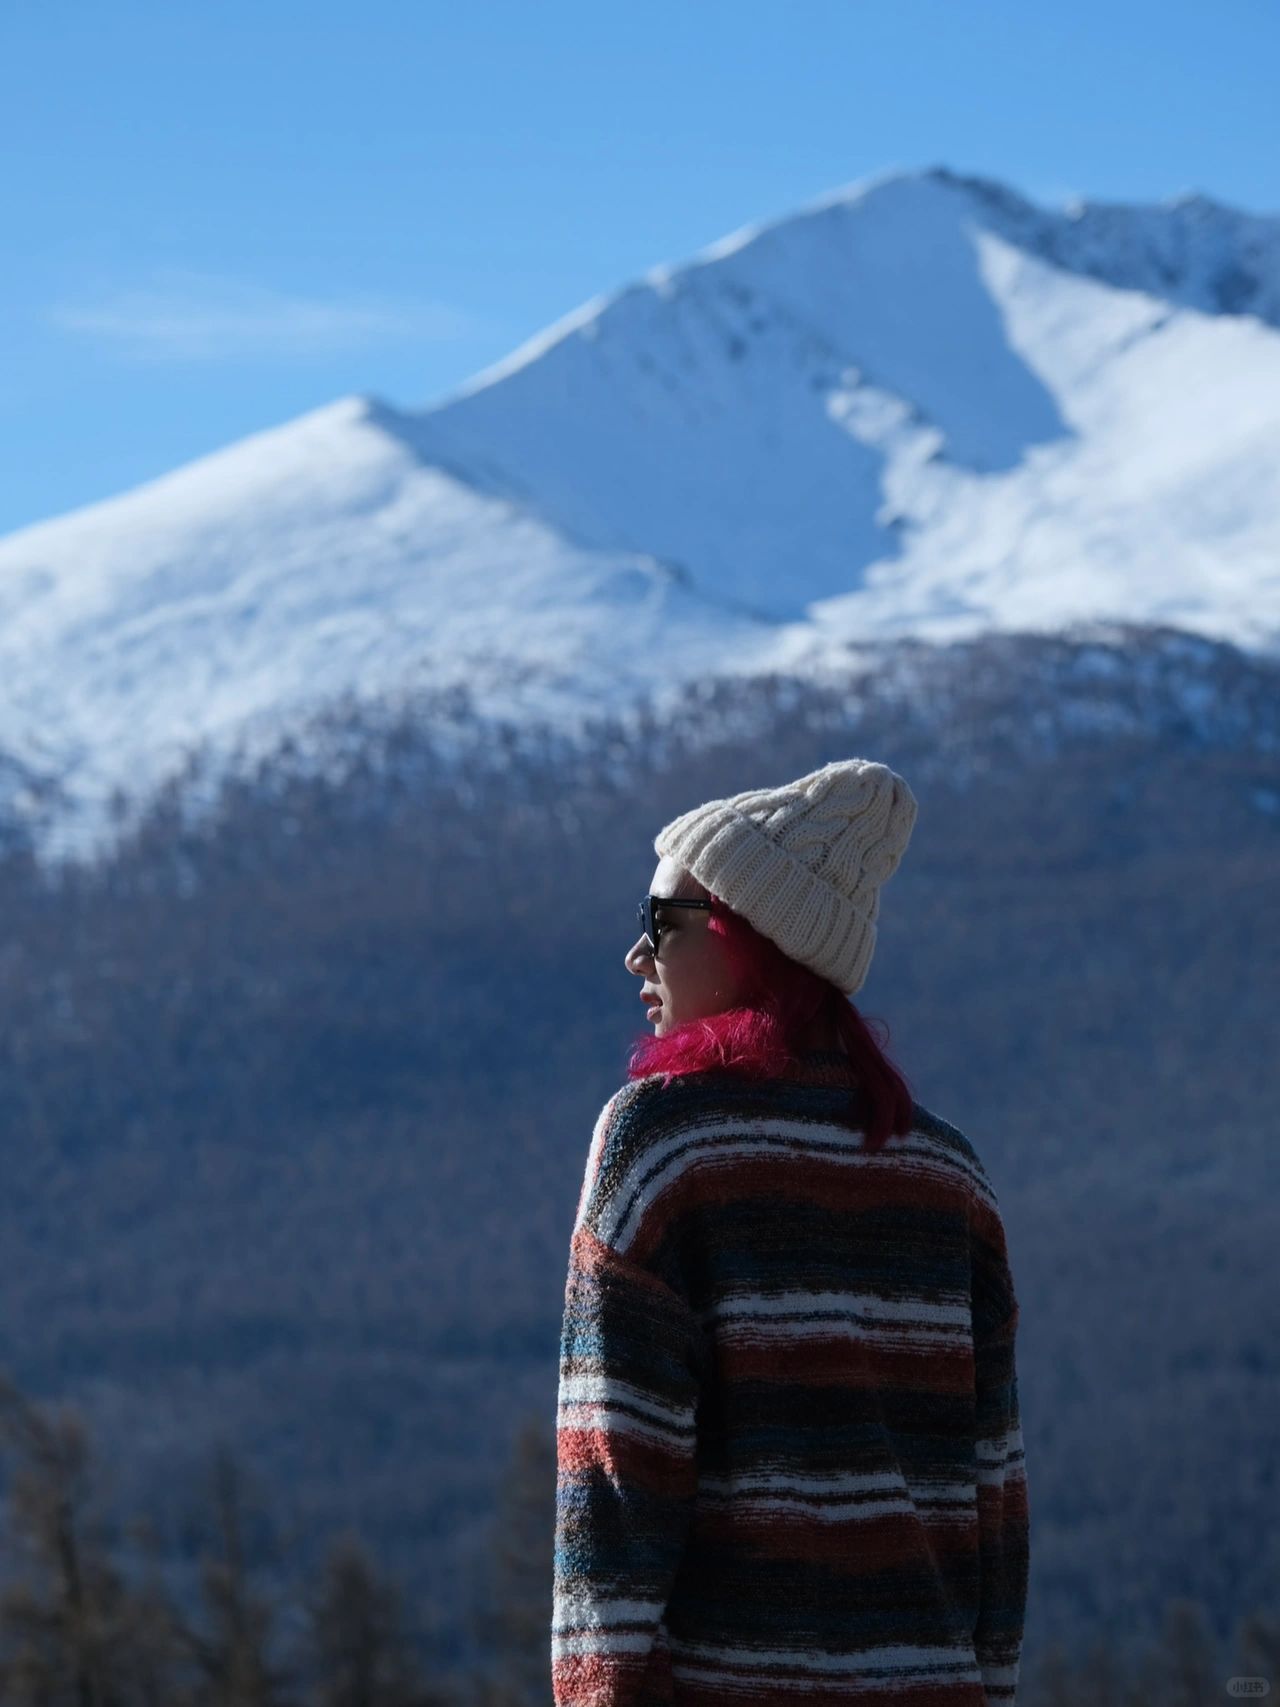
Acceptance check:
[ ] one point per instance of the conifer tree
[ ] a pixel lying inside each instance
(1102, 1676)
(64, 1618)
(232, 1655)
(364, 1658)
(1257, 1647)
(1053, 1683)
(153, 1639)
(1192, 1673)
(515, 1625)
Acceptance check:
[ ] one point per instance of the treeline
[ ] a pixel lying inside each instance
(78, 1629)
(1184, 1667)
(89, 1616)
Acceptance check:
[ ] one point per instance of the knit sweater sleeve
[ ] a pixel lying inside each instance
(1003, 1511)
(625, 1434)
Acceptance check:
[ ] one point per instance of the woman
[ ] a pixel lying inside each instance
(789, 1449)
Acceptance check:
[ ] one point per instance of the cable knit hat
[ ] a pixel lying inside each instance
(804, 862)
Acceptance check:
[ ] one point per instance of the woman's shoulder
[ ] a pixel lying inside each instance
(649, 1100)
(949, 1141)
(931, 1125)
(647, 1111)
(635, 1124)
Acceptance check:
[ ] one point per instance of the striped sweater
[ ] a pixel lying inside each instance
(789, 1456)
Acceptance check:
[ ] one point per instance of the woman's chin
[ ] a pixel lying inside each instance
(657, 1029)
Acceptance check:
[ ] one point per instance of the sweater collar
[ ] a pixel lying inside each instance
(820, 1067)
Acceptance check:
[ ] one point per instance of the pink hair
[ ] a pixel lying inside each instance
(761, 1038)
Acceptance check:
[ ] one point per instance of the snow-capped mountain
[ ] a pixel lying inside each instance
(919, 406)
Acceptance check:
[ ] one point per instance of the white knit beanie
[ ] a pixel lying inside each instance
(803, 863)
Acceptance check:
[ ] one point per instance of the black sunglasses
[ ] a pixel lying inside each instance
(649, 917)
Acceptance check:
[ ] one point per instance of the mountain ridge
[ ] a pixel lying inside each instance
(914, 406)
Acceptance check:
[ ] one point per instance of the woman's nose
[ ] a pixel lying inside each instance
(638, 951)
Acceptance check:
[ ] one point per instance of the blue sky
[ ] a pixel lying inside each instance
(219, 216)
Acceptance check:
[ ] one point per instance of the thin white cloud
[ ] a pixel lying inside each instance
(193, 316)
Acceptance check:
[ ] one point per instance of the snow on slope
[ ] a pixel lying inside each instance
(225, 600)
(884, 405)
(1161, 500)
(918, 406)
(745, 398)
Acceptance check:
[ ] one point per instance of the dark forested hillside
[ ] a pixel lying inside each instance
(296, 1088)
